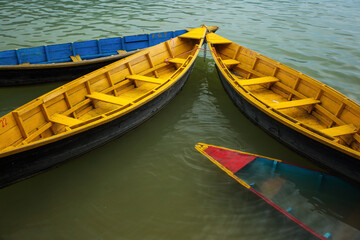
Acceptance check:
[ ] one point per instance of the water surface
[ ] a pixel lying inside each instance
(151, 183)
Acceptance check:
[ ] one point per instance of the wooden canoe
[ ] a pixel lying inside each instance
(312, 199)
(94, 108)
(299, 111)
(67, 61)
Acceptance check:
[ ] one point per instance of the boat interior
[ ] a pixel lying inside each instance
(102, 95)
(289, 93)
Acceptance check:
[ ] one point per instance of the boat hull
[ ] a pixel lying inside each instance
(335, 161)
(25, 164)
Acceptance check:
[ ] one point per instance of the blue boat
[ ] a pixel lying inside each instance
(324, 205)
(68, 61)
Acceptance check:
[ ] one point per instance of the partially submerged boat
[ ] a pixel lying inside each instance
(299, 111)
(312, 199)
(67, 61)
(94, 108)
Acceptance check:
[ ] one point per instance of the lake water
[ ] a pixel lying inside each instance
(151, 183)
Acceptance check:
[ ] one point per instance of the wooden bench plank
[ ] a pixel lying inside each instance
(340, 130)
(107, 98)
(229, 62)
(64, 120)
(294, 103)
(257, 81)
(146, 79)
(177, 60)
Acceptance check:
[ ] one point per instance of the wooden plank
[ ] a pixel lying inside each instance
(77, 106)
(108, 98)
(257, 81)
(38, 132)
(121, 51)
(340, 130)
(64, 120)
(177, 60)
(216, 39)
(161, 65)
(170, 50)
(146, 79)
(230, 62)
(197, 33)
(294, 103)
(289, 90)
(152, 63)
(20, 124)
(327, 114)
(249, 70)
(76, 58)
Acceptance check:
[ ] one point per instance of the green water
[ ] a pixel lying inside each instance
(151, 183)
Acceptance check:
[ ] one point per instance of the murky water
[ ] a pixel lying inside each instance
(152, 183)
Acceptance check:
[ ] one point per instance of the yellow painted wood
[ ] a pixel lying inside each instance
(121, 51)
(216, 39)
(257, 81)
(38, 132)
(70, 109)
(155, 68)
(177, 60)
(76, 58)
(230, 62)
(340, 130)
(145, 79)
(64, 120)
(194, 34)
(294, 103)
(334, 108)
(20, 124)
(152, 64)
(108, 98)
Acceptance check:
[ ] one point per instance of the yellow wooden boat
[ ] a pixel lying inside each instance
(94, 108)
(299, 111)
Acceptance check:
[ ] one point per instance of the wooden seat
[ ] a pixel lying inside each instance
(230, 62)
(107, 98)
(64, 120)
(340, 130)
(145, 79)
(177, 60)
(257, 81)
(294, 103)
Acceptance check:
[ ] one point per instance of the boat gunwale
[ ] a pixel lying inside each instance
(204, 146)
(298, 126)
(119, 112)
(67, 64)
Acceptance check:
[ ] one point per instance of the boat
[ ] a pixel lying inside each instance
(302, 113)
(67, 61)
(313, 199)
(95, 108)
